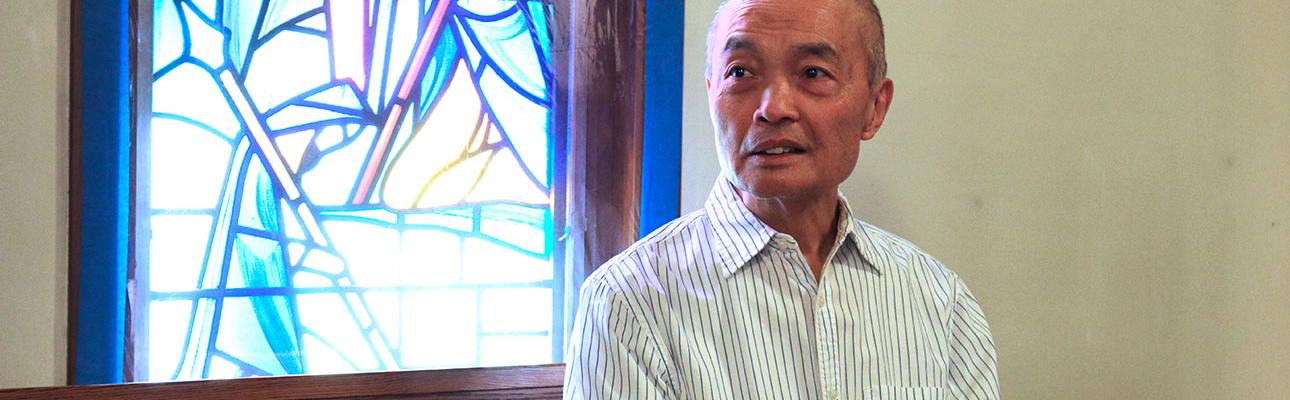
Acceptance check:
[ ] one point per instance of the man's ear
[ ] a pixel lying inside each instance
(881, 103)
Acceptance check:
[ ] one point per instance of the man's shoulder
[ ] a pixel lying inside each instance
(900, 254)
(640, 265)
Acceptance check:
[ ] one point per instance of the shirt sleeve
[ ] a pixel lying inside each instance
(972, 358)
(611, 355)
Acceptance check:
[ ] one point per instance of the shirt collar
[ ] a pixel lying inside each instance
(740, 235)
(859, 234)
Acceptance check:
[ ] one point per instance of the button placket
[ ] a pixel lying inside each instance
(826, 342)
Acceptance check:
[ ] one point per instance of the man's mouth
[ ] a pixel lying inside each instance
(774, 151)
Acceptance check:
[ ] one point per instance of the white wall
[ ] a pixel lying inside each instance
(33, 192)
(1111, 177)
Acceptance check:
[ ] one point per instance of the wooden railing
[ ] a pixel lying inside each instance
(538, 382)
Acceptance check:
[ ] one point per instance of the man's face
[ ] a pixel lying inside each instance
(789, 94)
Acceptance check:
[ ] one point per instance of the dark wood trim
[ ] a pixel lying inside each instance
(536, 382)
(606, 127)
(135, 366)
(74, 189)
(559, 62)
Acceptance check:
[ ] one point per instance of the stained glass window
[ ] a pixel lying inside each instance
(345, 185)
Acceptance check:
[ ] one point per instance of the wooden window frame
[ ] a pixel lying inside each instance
(598, 51)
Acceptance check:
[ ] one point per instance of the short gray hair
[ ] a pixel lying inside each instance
(876, 43)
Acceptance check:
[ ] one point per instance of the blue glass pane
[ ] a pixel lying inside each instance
(437, 71)
(538, 19)
(507, 44)
(259, 208)
(242, 336)
(240, 19)
(280, 12)
(460, 219)
(167, 35)
(259, 263)
(524, 227)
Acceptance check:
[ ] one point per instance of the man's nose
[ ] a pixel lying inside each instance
(778, 104)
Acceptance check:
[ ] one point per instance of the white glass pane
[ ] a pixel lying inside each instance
(431, 258)
(515, 350)
(177, 248)
(190, 92)
(516, 310)
(188, 166)
(167, 328)
(525, 123)
(328, 317)
(371, 251)
(289, 64)
(439, 328)
(490, 262)
(331, 181)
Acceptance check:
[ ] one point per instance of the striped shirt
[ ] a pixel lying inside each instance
(718, 305)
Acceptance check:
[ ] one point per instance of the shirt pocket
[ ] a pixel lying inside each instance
(908, 393)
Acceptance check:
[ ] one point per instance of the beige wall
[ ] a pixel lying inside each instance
(1111, 177)
(33, 192)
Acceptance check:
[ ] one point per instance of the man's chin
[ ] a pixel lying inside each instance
(771, 188)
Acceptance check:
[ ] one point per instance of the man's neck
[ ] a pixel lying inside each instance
(811, 220)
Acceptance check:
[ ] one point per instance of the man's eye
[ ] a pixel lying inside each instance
(737, 72)
(812, 73)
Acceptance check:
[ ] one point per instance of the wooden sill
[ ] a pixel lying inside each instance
(535, 382)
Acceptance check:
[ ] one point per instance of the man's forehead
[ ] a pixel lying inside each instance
(741, 22)
(821, 49)
(771, 14)
(786, 10)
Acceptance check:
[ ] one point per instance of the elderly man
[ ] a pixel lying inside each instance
(774, 290)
